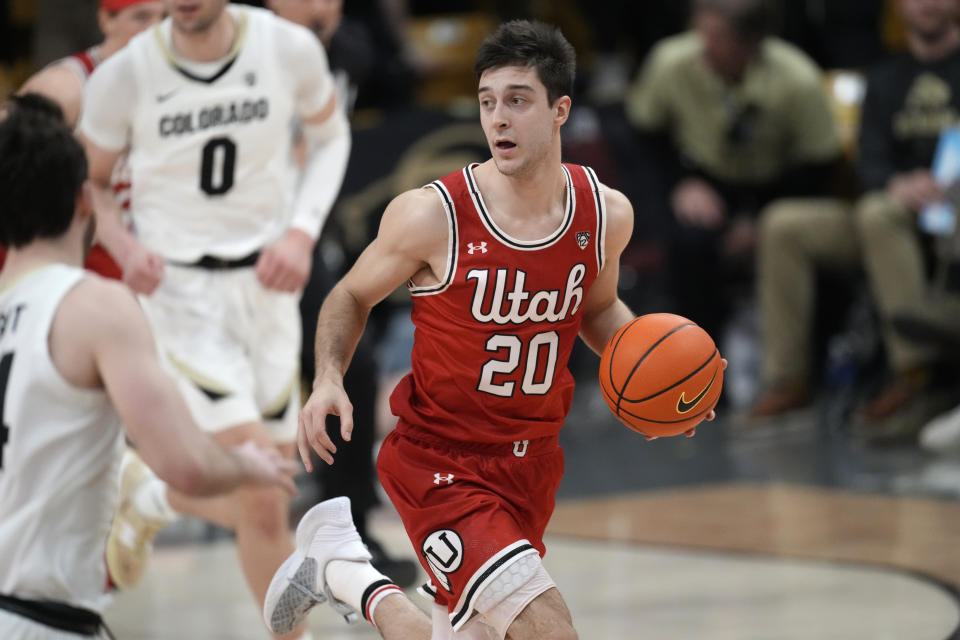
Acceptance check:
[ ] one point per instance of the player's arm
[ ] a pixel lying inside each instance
(603, 310)
(326, 135)
(61, 85)
(103, 320)
(105, 125)
(411, 242)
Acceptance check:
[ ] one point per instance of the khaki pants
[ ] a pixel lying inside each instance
(798, 238)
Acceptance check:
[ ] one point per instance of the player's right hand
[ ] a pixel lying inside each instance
(266, 466)
(142, 269)
(328, 398)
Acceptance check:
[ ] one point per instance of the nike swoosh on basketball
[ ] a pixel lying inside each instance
(683, 406)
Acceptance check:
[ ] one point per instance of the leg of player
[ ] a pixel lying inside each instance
(547, 617)
(261, 516)
(258, 516)
(142, 511)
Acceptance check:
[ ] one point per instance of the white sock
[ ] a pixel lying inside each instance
(359, 585)
(151, 501)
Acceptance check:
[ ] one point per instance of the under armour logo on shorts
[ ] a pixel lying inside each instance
(473, 248)
(443, 477)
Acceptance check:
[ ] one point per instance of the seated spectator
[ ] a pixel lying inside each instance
(737, 117)
(909, 101)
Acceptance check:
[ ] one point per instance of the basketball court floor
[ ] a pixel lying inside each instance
(780, 532)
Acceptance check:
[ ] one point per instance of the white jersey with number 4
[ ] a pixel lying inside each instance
(209, 143)
(60, 449)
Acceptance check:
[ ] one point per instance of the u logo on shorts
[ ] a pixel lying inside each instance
(520, 448)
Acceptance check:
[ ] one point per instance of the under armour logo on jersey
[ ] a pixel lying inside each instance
(473, 248)
(442, 477)
(583, 238)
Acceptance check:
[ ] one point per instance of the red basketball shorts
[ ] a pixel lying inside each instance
(470, 511)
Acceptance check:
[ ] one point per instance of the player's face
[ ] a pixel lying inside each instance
(519, 122)
(194, 16)
(126, 23)
(929, 19)
(320, 16)
(723, 50)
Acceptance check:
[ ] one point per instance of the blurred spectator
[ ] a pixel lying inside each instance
(910, 99)
(737, 118)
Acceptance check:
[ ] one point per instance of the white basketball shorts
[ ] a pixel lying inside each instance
(233, 346)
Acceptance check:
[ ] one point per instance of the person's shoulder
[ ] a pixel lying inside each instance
(619, 208)
(120, 66)
(61, 84)
(99, 300)
(418, 205)
(297, 45)
(415, 218)
(676, 51)
(283, 29)
(790, 63)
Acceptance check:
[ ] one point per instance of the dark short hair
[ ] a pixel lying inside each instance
(42, 168)
(752, 20)
(528, 43)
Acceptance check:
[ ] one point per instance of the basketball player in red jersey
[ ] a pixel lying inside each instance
(507, 261)
(63, 81)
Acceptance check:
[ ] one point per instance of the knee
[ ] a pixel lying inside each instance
(877, 212)
(782, 221)
(566, 632)
(264, 511)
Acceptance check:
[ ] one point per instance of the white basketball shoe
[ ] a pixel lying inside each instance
(326, 532)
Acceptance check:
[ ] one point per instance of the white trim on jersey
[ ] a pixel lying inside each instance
(599, 199)
(490, 569)
(505, 238)
(452, 249)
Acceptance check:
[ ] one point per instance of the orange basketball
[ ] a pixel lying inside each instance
(661, 374)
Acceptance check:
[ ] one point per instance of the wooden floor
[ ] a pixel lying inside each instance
(907, 533)
(734, 562)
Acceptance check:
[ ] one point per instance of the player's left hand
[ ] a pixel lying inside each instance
(285, 265)
(689, 433)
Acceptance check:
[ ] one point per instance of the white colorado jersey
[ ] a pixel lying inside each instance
(60, 449)
(209, 144)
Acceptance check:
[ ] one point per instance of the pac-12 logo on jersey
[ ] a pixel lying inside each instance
(443, 551)
(583, 239)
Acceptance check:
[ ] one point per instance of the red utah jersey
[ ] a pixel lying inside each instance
(493, 338)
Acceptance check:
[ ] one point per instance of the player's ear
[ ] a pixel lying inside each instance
(561, 110)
